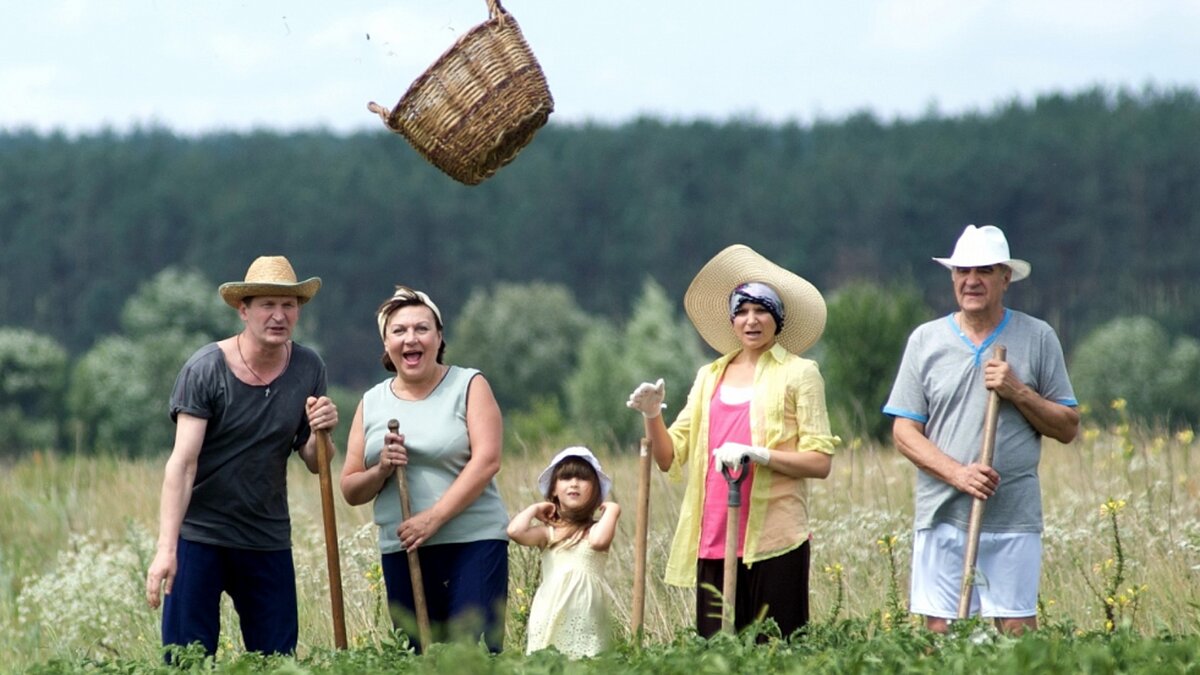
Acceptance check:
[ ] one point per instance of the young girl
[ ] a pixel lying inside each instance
(570, 609)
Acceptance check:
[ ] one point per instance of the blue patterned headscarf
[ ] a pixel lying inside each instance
(760, 294)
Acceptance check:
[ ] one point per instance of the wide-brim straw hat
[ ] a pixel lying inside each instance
(707, 300)
(269, 275)
(983, 246)
(583, 453)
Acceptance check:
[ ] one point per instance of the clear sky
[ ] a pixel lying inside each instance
(195, 66)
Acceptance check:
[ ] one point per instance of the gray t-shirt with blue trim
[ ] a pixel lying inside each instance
(940, 384)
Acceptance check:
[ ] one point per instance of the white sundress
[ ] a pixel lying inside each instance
(570, 608)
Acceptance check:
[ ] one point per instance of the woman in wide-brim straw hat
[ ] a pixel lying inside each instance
(761, 401)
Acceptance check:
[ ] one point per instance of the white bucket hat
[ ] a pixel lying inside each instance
(583, 453)
(982, 246)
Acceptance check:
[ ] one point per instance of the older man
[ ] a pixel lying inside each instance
(241, 406)
(938, 403)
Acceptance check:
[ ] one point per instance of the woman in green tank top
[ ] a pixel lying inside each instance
(449, 440)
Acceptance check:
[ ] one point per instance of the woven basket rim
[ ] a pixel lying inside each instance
(500, 20)
(457, 112)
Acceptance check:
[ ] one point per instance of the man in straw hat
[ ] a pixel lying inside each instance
(760, 401)
(241, 406)
(939, 403)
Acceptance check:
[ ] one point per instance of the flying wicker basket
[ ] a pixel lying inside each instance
(478, 105)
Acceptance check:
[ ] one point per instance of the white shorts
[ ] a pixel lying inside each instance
(1008, 570)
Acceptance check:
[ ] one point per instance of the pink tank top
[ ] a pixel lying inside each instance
(726, 422)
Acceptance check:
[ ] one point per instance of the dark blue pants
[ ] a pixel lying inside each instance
(466, 591)
(262, 585)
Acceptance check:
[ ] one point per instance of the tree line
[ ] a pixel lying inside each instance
(1095, 188)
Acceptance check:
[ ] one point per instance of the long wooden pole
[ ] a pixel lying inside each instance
(975, 524)
(639, 540)
(414, 563)
(332, 557)
(729, 582)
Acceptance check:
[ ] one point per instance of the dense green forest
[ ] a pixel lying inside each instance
(1098, 189)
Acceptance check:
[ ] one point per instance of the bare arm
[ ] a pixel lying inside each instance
(528, 528)
(1058, 421)
(601, 534)
(809, 464)
(975, 479)
(178, 478)
(360, 484)
(662, 448)
(322, 415)
(486, 431)
(647, 398)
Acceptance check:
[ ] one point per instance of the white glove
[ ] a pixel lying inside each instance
(731, 454)
(648, 399)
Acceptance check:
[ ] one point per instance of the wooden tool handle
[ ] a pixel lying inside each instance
(975, 523)
(414, 563)
(332, 557)
(640, 536)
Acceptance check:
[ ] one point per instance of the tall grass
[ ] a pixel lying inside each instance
(76, 535)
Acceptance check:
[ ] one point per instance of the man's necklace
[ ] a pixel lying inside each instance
(287, 360)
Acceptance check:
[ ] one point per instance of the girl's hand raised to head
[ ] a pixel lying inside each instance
(525, 531)
(546, 512)
(601, 534)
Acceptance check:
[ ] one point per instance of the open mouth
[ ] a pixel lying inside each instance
(412, 358)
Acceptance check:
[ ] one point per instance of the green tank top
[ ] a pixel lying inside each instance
(435, 433)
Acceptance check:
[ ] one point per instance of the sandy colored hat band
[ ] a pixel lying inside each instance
(404, 296)
(707, 300)
(586, 455)
(759, 294)
(983, 246)
(269, 275)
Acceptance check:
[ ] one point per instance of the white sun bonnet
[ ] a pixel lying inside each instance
(581, 452)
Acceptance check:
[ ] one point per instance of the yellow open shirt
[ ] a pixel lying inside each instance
(787, 412)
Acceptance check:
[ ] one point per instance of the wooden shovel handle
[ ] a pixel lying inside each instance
(732, 522)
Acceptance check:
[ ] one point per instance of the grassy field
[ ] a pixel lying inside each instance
(1122, 555)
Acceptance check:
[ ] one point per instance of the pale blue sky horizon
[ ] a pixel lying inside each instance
(82, 66)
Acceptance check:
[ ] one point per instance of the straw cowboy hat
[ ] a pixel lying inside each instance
(269, 275)
(983, 246)
(582, 453)
(707, 300)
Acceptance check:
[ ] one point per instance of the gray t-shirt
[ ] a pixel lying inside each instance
(239, 497)
(940, 384)
(435, 433)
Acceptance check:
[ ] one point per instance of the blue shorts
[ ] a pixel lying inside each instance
(262, 585)
(466, 591)
(1008, 569)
